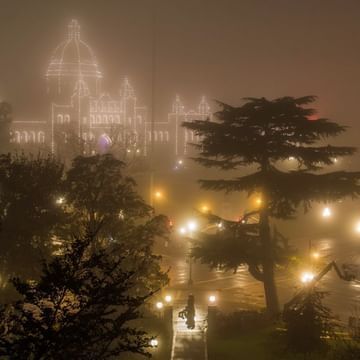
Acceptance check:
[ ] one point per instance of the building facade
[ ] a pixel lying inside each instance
(84, 119)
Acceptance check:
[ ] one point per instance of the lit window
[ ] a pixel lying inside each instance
(60, 118)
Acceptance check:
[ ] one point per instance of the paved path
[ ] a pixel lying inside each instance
(189, 344)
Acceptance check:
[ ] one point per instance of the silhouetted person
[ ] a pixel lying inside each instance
(189, 312)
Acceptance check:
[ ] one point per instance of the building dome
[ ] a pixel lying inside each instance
(73, 59)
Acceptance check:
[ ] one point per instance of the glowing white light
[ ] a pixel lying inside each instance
(326, 212)
(182, 231)
(159, 305)
(212, 299)
(137, 151)
(180, 162)
(154, 343)
(168, 298)
(357, 227)
(307, 277)
(192, 225)
(60, 200)
(220, 225)
(291, 158)
(128, 150)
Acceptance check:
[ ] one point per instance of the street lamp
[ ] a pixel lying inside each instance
(190, 227)
(154, 343)
(159, 305)
(357, 227)
(60, 200)
(168, 298)
(212, 299)
(307, 277)
(158, 194)
(326, 213)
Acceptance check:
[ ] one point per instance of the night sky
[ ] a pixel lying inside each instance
(225, 49)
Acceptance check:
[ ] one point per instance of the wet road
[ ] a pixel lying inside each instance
(240, 291)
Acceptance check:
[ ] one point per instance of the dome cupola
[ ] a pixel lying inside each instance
(73, 60)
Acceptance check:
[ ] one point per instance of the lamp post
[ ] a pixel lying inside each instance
(188, 230)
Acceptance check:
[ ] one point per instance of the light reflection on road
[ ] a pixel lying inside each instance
(239, 290)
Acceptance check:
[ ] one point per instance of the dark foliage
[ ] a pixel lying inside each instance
(84, 305)
(29, 214)
(229, 244)
(263, 133)
(308, 321)
(5, 122)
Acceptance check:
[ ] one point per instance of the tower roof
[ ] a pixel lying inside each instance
(73, 57)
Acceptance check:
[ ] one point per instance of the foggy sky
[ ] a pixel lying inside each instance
(225, 49)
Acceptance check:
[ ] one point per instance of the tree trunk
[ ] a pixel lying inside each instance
(271, 297)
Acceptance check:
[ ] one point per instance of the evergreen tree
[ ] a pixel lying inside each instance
(85, 306)
(5, 121)
(259, 135)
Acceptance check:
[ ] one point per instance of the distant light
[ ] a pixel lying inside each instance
(357, 227)
(335, 160)
(291, 158)
(128, 150)
(212, 299)
(205, 209)
(220, 225)
(258, 201)
(60, 200)
(315, 255)
(168, 298)
(159, 305)
(180, 162)
(192, 225)
(154, 343)
(158, 194)
(326, 212)
(307, 277)
(138, 151)
(182, 231)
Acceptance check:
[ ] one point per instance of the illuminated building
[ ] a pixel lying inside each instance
(84, 119)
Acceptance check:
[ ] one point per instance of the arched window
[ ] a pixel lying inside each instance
(149, 135)
(60, 118)
(136, 136)
(85, 137)
(105, 119)
(166, 133)
(17, 137)
(111, 119)
(120, 137)
(98, 119)
(155, 136)
(66, 118)
(25, 136)
(117, 119)
(161, 137)
(41, 137)
(32, 136)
